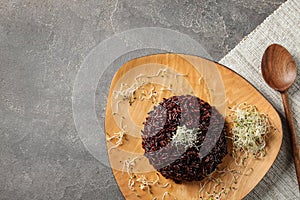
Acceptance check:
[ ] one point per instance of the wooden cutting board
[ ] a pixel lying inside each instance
(175, 74)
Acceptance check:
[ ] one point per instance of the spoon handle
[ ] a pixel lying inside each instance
(294, 139)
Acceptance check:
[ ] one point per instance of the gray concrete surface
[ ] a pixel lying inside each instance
(42, 45)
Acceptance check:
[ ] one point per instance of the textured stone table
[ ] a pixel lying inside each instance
(42, 45)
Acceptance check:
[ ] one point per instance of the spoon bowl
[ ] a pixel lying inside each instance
(278, 68)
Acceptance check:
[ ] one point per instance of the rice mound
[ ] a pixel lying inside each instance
(184, 138)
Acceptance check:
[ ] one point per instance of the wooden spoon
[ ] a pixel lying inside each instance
(279, 71)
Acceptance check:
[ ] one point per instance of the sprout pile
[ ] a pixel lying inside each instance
(249, 130)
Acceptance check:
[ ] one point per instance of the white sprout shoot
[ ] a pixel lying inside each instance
(147, 183)
(139, 76)
(160, 73)
(166, 89)
(129, 164)
(200, 79)
(119, 137)
(164, 186)
(117, 107)
(249, 130)
(151, 95)
(131, 183)
(169, 194)
(183, 75)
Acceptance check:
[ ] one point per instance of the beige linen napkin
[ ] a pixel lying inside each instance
(282, 27)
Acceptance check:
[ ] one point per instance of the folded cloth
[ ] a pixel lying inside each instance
(281, 27)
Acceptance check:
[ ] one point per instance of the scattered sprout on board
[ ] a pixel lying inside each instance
(143, 182)
(127, 92)
(220, 188)
(118, 136)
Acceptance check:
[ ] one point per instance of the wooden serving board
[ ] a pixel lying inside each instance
(185, 74)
